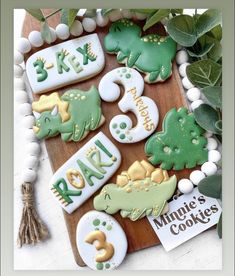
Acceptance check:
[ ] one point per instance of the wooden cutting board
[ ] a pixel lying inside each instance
(167, 95)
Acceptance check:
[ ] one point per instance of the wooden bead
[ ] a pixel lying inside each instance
(35, 38)
(53, 35)
(209, 168)
(62, 31)
(181, 57)
(101, 20)
(196, 104)
(89, 24)
(18, 58)
(30, 136)
(185, 186)
(28, 175)
(21, 96)
(25, 109)
(214, 156)
(140, 16)
(28, 121)
(19, 84)
(127, 14)
(211, 144)
(187, 83)
(31, 162)
(76, 29)
(24, 45)
(193, 94)
(33, 148)
(115, 15)
(208, 134)
(182, 69)
(18, 71)
(196, 176)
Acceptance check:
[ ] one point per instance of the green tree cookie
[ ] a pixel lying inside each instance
(151, 54)
(180, 144)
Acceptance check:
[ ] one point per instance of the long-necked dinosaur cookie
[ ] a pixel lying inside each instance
(72, 115)
(140, 191)
(144, 108)
(85, 172)
(65, 63)
(151, 54)
(180, 144)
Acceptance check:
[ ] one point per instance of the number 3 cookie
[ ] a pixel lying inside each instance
(143, 107)
(101, 242)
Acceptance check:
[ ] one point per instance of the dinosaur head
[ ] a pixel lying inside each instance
(106, 200)
(119, 34)
(47, 123)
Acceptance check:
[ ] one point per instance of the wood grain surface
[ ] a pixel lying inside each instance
(167, 95)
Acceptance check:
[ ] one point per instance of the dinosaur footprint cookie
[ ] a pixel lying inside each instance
(72, 115)
(140, 191)
(151, 54)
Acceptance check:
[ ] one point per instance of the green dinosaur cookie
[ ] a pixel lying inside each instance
(73, 114)
(140, 191)
(151, 54)
(180, 144)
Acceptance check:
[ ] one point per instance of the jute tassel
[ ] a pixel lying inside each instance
(32, 229)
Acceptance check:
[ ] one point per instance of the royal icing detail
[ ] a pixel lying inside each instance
(65, 63)
(101, 241)
(140, 191)
(72, 115)
(180, 144)
(85, 172)
(151, 54)
(143, 107)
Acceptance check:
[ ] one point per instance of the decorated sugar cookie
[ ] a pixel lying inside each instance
(101, 242)
(140, 191)
(85, 172)
(151, 54)
(143, 107)
(72, 115)
(180, 144)
(65, 63)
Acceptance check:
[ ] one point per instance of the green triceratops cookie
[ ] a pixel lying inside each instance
(140, 191)
(151, 54)
(73, 114)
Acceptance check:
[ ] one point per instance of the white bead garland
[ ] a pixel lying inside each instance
(28, 121)
(24, 45)
(28, 175)
(208, 134)
(182, 69)
(33, 148)
(101, 20)
(18, 71)
(21, 96)
(115, 15)
(140, 16)
(196, 104)
(19, 84)
(181, 57)
(25, 109)
(196, 176)
(53, 34)
(209, 168)
(76, 29)
(31, 162)
(35, 38)
(30, 136)
(185, 186)
(193, 94)
(89, 24)
(62, 31)
(18, 58)
(126, 14)
(214, 156)
(187, 83)
(211, 143)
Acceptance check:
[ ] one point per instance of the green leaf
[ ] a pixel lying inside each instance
(216, 51)
(177, 11)
(216, 32)
(207, 21)
(204, 73)
(36, 13)
(90, 13)
(214, 95)
(106, 11)
(211, 186)
(156, 17)
(219, 226)
(182, 29)
(68, 16)
(46, 32)
(145, 11)
(202, 52)
(218, 125)
(206, 116)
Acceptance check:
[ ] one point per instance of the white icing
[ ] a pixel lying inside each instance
(54, 79)
(88, 190)
(144, 108)
(116, 237)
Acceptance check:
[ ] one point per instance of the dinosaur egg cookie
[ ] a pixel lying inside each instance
(72, 115)
(140, 191)
(65, 63)
(85, 172)
(151, 54)
(101, 242)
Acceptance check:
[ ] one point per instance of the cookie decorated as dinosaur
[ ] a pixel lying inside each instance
(65, 63)
(180, 144)
(151, 54)
(140, 191)
(72, 115)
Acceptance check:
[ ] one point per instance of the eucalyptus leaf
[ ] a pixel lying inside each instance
(182, 29)
(68, 16)
(46, 32)
(218, 125)
(145, 11)
(90, 13)
(214, 95)
(216, 51)
(200, 53)
(156, 17)
(106, 11)
(216, 32)
(206, 116)
(219, 226)
(36, 13)
(207, 21)
(211, 186)
(204, 73)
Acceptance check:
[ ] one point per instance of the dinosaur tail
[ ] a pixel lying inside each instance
(168, 187)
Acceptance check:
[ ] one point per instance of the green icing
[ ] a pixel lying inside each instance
(84, 114)
(40, 70)
(75, 64)
(114, 126)
(151, 54)
(122, 136)
(87, 53)
(180, 144)
(122, 125)
(104, 223)
(96, 222)
(104, 149)
(60, 62)
(128, 76)
(109, 227)
(107, 265)
(99, 266)
(134, 201)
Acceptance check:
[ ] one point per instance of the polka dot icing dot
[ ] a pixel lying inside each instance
(96, 222)
(185, 186)
(122, 136)
(122, 125)
(211, 143)
(214, 156)
(99, 266)
(196, 176)
(114, 126)
(209, 168)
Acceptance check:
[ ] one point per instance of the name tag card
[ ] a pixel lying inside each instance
(188, 216)
(85, 172)
(65, 63)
